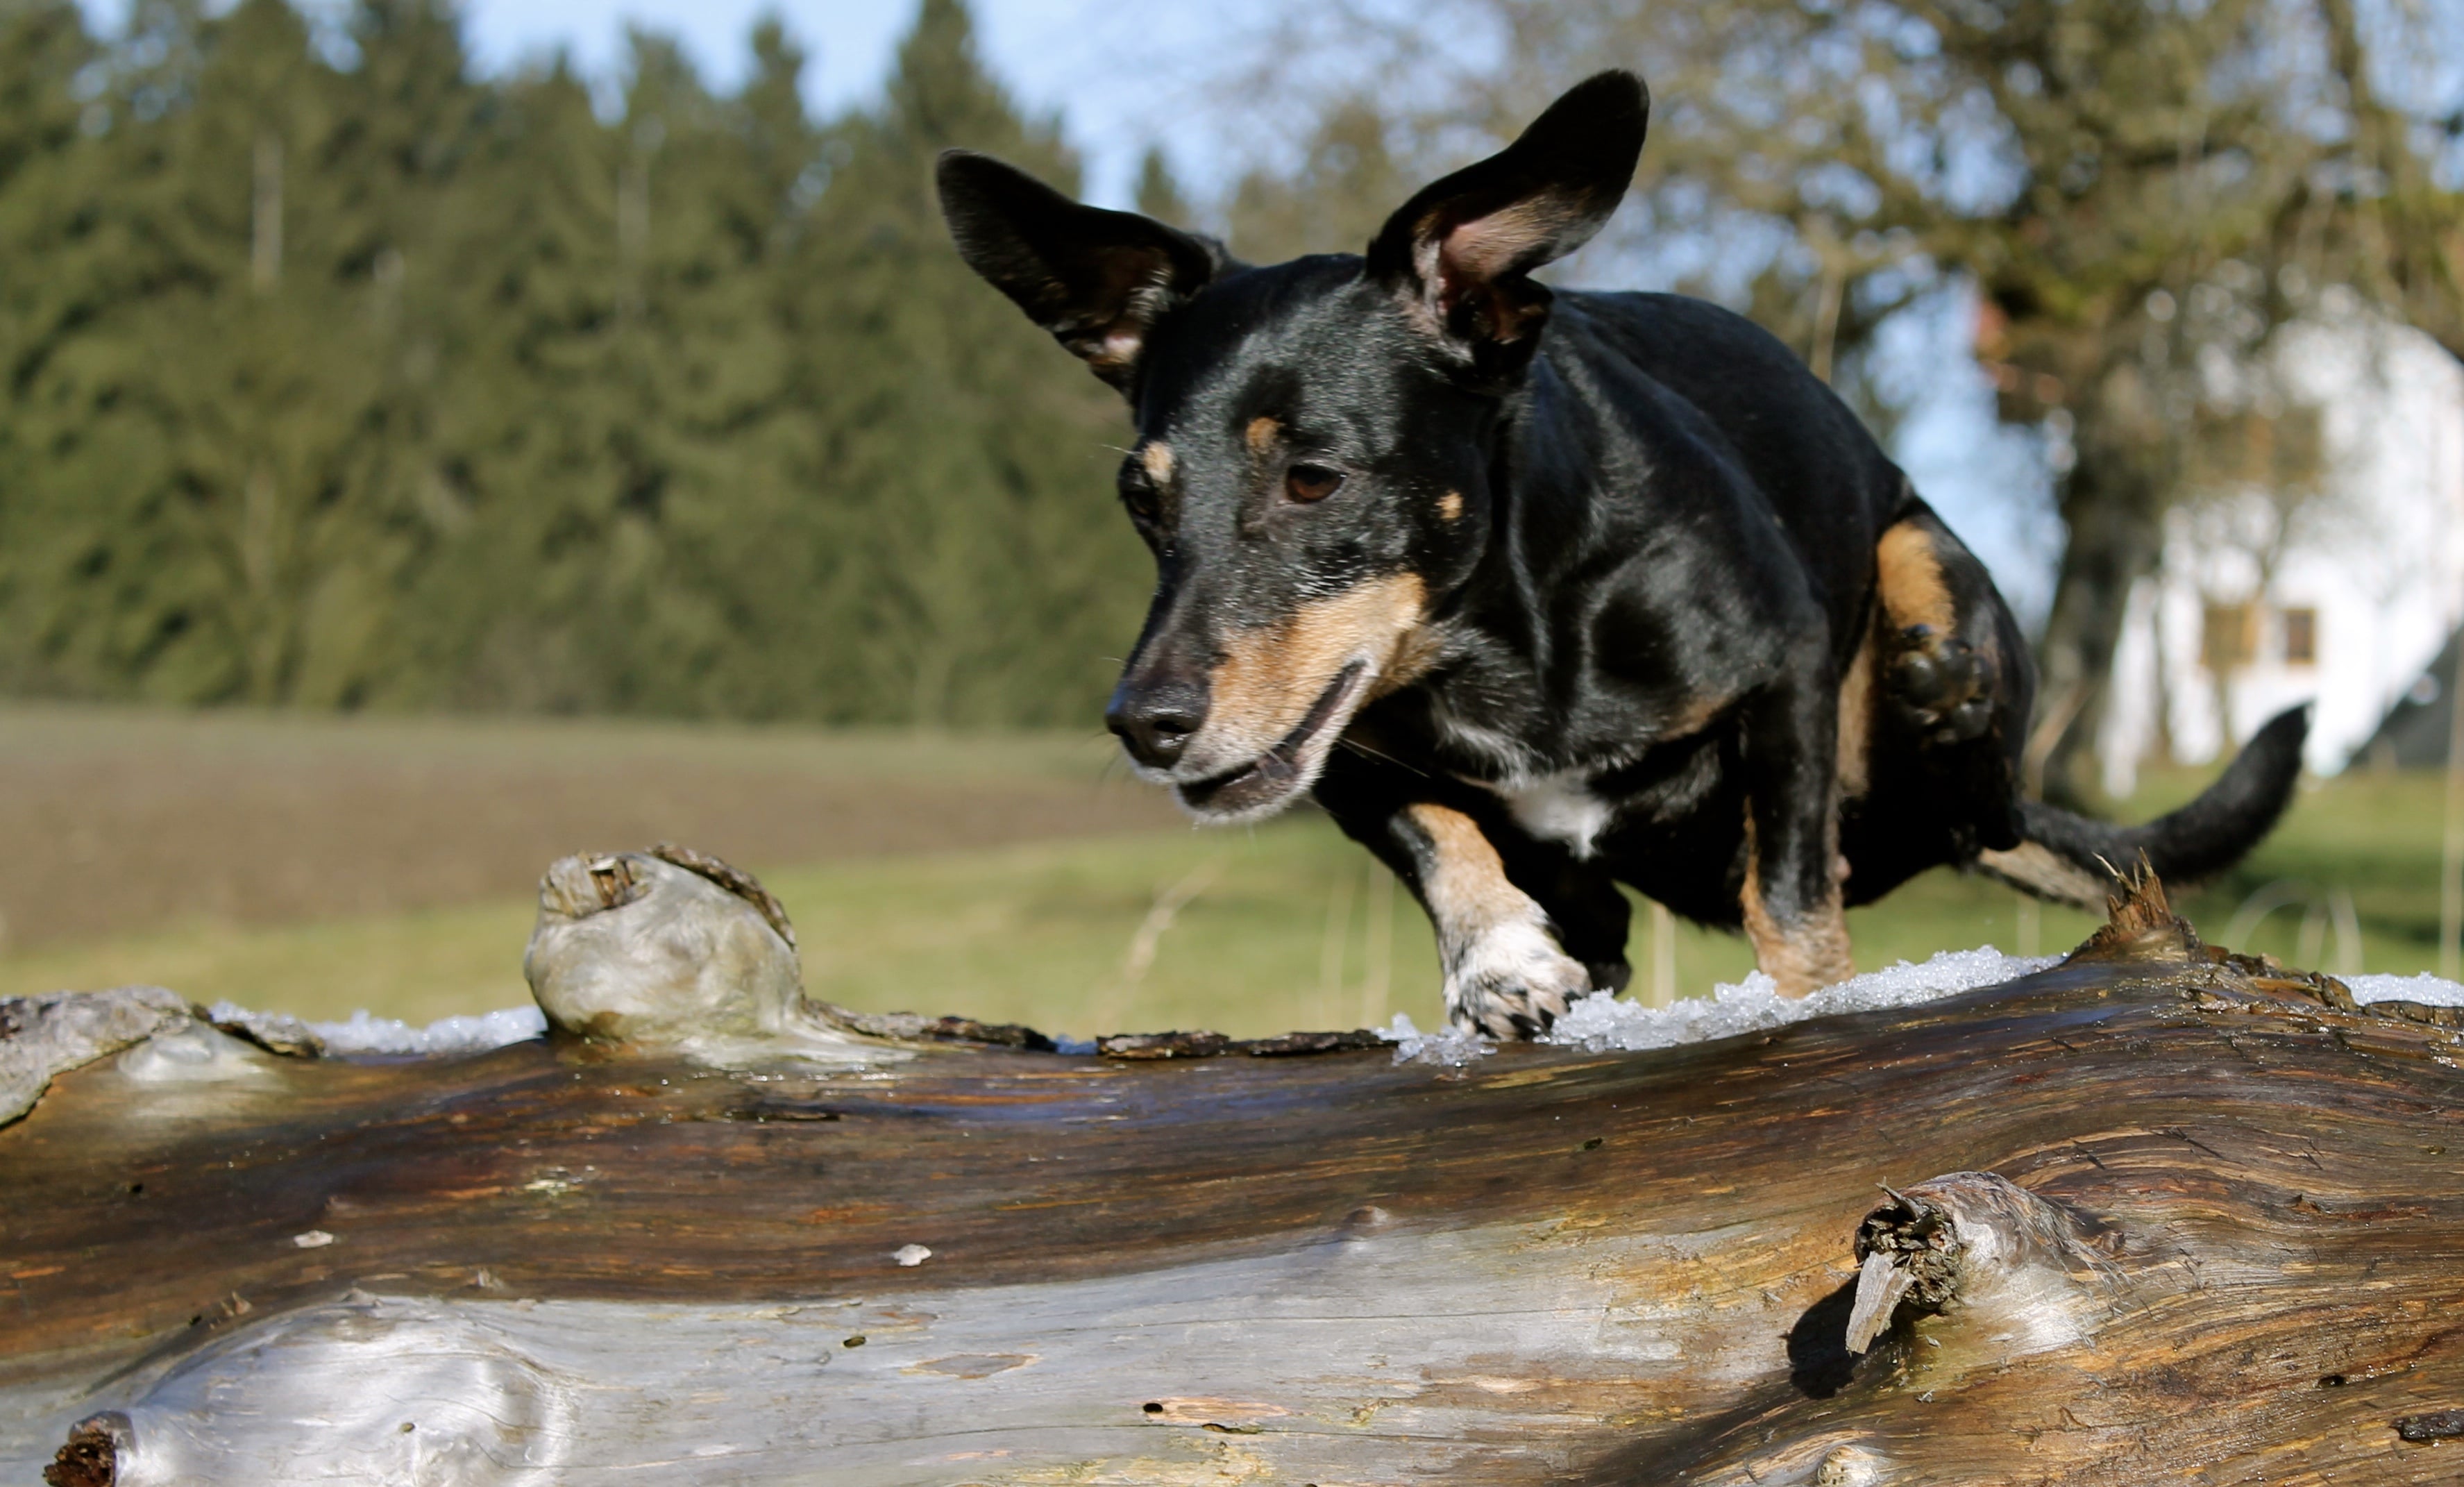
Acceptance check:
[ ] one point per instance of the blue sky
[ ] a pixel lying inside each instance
(852, 42)
(1117, 72)
(1069, 55)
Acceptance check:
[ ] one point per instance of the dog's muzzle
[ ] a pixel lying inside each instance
(1270, 780)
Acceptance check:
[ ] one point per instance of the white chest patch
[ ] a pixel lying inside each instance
(1558, 807)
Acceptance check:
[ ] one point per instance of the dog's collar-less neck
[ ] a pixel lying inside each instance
(1498, 598)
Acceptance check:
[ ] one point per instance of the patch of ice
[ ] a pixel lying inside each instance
(1452, 1046)
(1598, 1023)
(2426, 988)
(366, 1034)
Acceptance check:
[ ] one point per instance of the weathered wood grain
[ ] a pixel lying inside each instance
(559, 1263)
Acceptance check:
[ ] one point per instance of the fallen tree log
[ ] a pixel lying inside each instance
(2157, 1213)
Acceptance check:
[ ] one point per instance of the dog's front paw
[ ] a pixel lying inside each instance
(1513, 982)
(1944, 687)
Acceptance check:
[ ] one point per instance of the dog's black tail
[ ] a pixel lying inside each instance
(2071, 859)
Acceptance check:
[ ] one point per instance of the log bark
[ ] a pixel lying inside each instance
(2158, 1213)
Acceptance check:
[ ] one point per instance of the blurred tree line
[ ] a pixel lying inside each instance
(338, 375)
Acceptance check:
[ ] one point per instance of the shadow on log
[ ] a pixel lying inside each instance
(2157, 1213)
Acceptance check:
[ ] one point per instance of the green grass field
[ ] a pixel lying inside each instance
(1249, 931)
(1263, 930)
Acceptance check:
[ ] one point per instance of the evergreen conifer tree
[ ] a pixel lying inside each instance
(47, 215)
(339, 376)
(1336, 198)
(1159, 193)
(986, 567)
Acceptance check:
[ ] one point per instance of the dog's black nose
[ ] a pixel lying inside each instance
(1155, 723)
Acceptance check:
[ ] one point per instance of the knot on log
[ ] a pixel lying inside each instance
(1849, 1466)
(2033, 1273)
(674, 950)
(1910, 1251)
(91, 1458)
(364, 1388)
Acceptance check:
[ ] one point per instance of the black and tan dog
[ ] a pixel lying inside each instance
(1545, 591)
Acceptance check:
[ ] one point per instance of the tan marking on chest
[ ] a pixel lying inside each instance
(1911, 580)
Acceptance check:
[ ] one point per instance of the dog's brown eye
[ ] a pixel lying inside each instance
(1311, 482)
(1140, 499)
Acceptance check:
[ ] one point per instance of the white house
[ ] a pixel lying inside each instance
(2341, 599)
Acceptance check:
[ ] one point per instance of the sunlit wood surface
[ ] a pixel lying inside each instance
(548, 1264)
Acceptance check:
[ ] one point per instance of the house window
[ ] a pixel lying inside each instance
(2225, 639)
(2301, 638)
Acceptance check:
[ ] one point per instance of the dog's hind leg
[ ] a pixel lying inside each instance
(1954, 670)
(1943, 661)
(1792, 902)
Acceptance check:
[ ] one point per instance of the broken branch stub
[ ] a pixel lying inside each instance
(2140, 923)
(674, 950)
(2025, 1273)
(96, 1446)
(1910, 1251)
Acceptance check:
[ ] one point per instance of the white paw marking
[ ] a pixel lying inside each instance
(1511, 980)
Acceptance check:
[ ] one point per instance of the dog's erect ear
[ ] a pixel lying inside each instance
(1462, 252)
(1096, 280)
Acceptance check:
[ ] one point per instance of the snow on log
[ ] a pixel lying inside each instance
(2156, 1212)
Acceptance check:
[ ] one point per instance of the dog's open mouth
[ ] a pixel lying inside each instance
(1275, 775)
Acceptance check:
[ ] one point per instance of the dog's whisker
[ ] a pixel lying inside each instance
(1354, 745)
